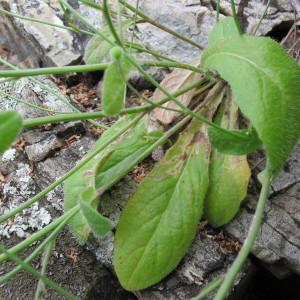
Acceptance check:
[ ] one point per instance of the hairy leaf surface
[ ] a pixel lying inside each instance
(159, 221)
(226, 28)
(265, 81)
(10, 127)
(234, 142)
(114, 86)
(228, 176)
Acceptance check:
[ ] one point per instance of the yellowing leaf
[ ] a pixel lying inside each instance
(159, 221)
(228, 178)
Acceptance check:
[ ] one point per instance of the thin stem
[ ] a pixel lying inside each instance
(52, 70)
(251, 237)
(96, 115)
(39, 234)
(148, 151)
(90, 68)
(110, 24)
(41, 287)
(52, 186)
(210, 287)
(262, 17)
(59, 223)
(155, 54)
(160, 26)
(234, 14)
(38, 275)
(135, 20)
(52, 91)
(35, 20)
(18, 100)
(218, 10)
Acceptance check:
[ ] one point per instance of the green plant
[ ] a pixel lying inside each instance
(160, 218)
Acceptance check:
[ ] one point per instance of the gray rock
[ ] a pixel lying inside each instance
(57, 45)
(32, 92)
(39, 151)
(192, 19)
(279, 239)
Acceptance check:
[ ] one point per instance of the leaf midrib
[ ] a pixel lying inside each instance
(159, 222)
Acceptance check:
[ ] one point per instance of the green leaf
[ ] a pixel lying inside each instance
(265, 82)
(159, 221)
(83, 180)
(125, 153)
(228, 178)
(10, 127)
(234, 142)
(226, 28)
(99, 224)
(97, 49)
(114, 86)
(78, 188)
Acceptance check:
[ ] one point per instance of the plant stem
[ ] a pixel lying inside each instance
(95, 115)
(110, 24)
(218, 10)
(38, 275)
(41, 287)
(234, 14)
(160, 26)
(90, 68)
(53, 92)
(52, 186)
(210, 287)
(59, 223)
(11, 14)
(39, 234)
(251, 237)
(262, 17)
(146, 153)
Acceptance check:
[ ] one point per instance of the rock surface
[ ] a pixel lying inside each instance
(279, 240)
(192, 19)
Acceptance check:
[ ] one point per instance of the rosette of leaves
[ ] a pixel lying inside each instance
(157, 227)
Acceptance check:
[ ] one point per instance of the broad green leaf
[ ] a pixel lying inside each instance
(234, 142)
(114, 86)
(10, 127)
(99, 224)
(159, 221)
(173, 82)
(226, 28)
(228, 178)
(84, 179)
(265, 82)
